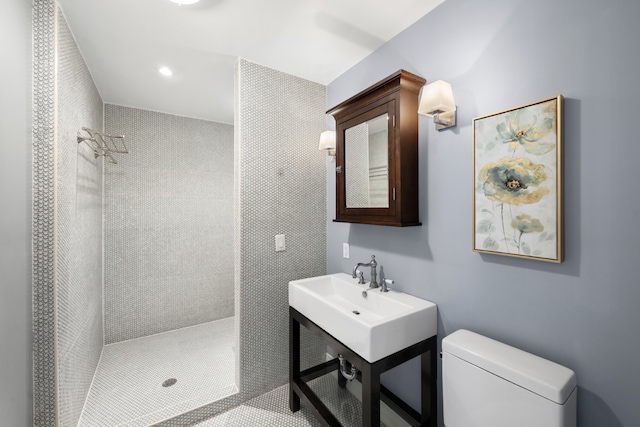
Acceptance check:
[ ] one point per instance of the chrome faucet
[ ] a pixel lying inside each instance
(373, 264)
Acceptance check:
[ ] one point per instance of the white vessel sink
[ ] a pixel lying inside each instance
(373, 327)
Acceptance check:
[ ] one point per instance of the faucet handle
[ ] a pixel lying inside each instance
(360, 277)
(385, 285)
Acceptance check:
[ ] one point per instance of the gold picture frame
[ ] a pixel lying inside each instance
(517, 182)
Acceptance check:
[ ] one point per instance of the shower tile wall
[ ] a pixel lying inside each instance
(281, 190)
(79, 229)
(168, 224)
(75, 269)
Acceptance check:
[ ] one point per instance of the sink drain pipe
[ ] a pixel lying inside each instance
(344, 371)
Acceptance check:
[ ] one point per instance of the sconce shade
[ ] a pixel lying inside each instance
(435, 98)
(327, 140)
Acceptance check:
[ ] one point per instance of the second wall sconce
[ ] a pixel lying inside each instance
(328, 142)
(436, 100)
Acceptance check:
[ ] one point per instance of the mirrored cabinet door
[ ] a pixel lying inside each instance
(376, 153)
(366, 163)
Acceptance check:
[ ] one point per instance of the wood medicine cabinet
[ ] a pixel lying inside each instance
(377, 153)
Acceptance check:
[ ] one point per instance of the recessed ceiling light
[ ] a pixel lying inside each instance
(165, 71)
(181, 2)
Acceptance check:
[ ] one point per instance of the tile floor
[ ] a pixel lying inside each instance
(127, 390)
(272, 409)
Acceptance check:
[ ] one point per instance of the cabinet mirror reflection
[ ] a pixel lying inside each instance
(366, 148)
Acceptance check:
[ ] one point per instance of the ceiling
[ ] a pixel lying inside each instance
(125, 42)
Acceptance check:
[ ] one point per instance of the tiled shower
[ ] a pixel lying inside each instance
(168, 223)
(168, 270)
(177, 237)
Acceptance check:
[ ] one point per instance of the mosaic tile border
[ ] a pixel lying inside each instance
(43, 226)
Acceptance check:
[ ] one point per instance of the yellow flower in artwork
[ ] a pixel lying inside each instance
(513, 181)
(525, 224)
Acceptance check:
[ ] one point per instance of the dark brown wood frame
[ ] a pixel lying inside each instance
(372, 391)
(396, 95)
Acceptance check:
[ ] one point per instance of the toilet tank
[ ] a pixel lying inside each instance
(490, 384)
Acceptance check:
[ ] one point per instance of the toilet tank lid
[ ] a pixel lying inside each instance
(541, 376)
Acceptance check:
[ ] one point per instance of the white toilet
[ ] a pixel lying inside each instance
(490, 384)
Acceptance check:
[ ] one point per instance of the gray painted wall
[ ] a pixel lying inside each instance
(168, 215)
(15, 213)
(499, 54)
(78, 229)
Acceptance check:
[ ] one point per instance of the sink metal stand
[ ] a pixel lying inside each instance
(372, 391)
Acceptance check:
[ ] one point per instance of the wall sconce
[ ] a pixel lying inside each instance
(328, 142)
(436, 100)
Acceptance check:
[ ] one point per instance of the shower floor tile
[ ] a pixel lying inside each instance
(128, 390)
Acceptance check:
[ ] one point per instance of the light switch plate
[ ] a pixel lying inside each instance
(345, 250)
(280, 243)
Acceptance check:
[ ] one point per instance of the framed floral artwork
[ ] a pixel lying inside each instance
(517, 182)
